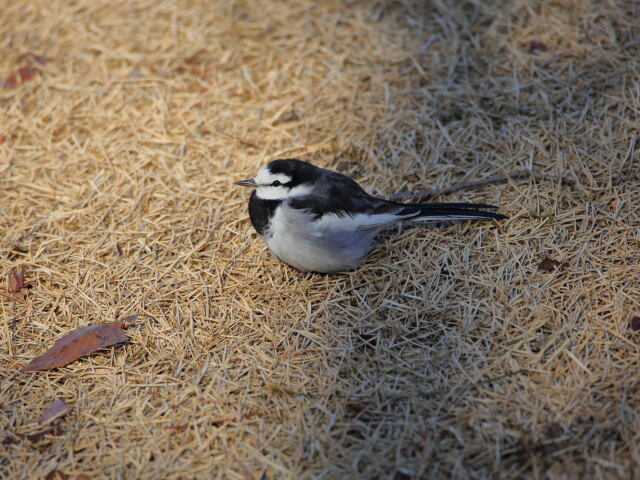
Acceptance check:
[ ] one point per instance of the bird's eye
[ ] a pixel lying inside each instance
(276, 183)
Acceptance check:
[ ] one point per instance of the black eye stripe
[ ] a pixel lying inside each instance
(278, 183)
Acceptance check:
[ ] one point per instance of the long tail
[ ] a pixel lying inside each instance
(452, 211)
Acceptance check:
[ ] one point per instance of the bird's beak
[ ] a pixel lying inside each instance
(249, 182)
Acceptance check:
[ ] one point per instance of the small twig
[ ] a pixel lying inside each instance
(435, 192)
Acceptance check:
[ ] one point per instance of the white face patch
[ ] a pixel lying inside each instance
(265, 177)
(267, 191)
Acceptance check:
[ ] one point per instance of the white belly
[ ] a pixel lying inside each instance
(311, 246)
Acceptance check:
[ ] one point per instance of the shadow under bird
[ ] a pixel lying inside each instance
(318, 220)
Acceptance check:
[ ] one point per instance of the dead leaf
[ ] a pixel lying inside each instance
(634, 323)
(55, 411)
(1, 139)
(78, 343)
(26, 73)
(549, 264)
(16, 280)
(15, 284)
(23, 75)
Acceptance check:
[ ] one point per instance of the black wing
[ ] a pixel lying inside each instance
(335, 193)
(342, 196)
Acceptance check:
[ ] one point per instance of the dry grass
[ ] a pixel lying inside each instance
(447, 355)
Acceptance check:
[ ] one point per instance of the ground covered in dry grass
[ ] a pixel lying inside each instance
(449, 354)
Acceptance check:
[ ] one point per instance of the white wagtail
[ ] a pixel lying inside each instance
(317, 220)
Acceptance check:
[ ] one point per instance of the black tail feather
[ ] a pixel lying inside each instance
(454, 210)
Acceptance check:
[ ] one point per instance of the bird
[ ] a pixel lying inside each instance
(319, 220)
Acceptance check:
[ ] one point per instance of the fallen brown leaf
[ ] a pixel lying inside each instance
(78, 343)
(549, 264)
(16, 280)
(15, 284)
(26, 73)
(55, 411)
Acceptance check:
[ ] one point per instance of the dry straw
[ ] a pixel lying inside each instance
(449, 354)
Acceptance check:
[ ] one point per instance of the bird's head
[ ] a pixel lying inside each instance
(282, 179)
